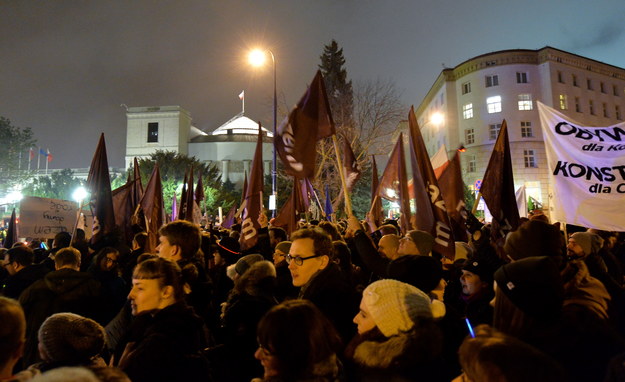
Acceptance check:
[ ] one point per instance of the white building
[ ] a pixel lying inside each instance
(230, 147)
(477, 95)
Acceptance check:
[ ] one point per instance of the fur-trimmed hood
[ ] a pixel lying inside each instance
(258, 280)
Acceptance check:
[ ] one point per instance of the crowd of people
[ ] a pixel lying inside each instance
(332, 301)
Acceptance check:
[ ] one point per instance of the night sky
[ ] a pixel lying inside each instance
(67, 66)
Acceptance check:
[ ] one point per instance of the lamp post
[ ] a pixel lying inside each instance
(257, 58)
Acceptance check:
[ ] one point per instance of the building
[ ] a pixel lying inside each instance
(478, 94)
(230, 147)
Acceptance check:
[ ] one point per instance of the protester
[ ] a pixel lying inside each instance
(105, 269)
(18, 262)
(12, 340)
(284, 280)
(297, 343)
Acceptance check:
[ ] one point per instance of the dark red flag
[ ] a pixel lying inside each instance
(125, 202)
(12, 236)
(182, 208)
(374, 217)
(394, 183)
(452, 188)
(498, 187)
(99, 186)
(153, 208)
(253, 198)
(199, 189)
(297, 135)
(431, 211)
(350, 165)
(289, 214)
(230, 217)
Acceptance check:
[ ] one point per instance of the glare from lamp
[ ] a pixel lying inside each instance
(437, 118)
(257, 57)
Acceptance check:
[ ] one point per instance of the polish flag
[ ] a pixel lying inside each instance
(242, 95)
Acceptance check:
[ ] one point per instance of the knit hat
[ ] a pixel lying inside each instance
(484, 264)
(463, 250)
(534, 238)
(423, 240)
(229, 249)
(394, 305)
(246, 262)
(284, 246)
(68, 337)
(590, 242)
(533, 285)
(423, 272)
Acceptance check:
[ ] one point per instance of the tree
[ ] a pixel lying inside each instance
(58, 185)
(14, 145)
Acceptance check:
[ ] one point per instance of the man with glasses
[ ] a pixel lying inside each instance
(18, 261)
(320, 279)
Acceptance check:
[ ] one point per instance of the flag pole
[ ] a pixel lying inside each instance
(47, 161)
(477, 201)
(80, 206)
(323, 212)
(348, 202)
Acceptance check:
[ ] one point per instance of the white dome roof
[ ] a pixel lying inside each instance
(240, 125)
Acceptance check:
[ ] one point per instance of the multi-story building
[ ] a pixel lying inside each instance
(478, 94)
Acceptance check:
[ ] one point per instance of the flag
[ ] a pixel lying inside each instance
(452, 188)
(431, 210)
(374, 217)
(199, 189)
(49, 155)
(12, 236)
(242, 204)
(31, 154)
(521, 201)
(394, 185)
(242, 95)
(125, 202)
(308, 194)
(229, 219)
(328, 207)
(288, 216)
(153, 207)
(174, 207)
(99, 186)
(309, 121)
(182, 208)
(42, 152)
(253, 198)
(350, 164)
(187, 213)
(498, 188)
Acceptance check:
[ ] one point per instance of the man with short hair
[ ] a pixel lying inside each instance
(179, 240)
(320, 279)
(277, 235)
(388, 245)
(66, 289)
(18, 261)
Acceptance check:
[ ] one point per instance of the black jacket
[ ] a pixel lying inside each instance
(16, 284)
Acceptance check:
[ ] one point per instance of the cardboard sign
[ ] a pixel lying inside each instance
(42, 218)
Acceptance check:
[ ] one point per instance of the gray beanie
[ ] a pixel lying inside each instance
(68, 337)
(423, 240)
(590, 242)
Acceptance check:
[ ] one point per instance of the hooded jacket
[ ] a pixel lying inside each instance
(580, 288)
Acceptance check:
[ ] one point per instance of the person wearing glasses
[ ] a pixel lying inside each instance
(105, 268)
(320, 280)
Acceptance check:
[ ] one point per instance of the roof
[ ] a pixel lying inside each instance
(240, 124)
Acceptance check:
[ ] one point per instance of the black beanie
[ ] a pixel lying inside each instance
(484, 263)
(534, 238)
(533, 285)
(423, 272)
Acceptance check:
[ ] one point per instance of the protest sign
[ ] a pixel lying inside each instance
(43, 218)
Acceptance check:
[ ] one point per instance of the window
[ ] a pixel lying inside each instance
(560, 80)
(591, 107)
(601, 87)
(589, 84)
(529, 158)
(563, 102)
(152, 132)
(492, 81)
(466, 88)
(467, 111)
(617, 112)
(604, 107)
(469, 136)
(615, 90)
(526, 129)
(521, 77)
(574, 78)
(442, 99)
(493, 131)
(493, 104)
(525, 102)
(578, 106)
(471, 164)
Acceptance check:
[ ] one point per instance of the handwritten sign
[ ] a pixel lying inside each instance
(44, 218)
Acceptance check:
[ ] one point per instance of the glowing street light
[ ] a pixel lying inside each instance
(79, 194)
(437, 119)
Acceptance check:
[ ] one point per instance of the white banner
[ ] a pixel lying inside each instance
(586, 166)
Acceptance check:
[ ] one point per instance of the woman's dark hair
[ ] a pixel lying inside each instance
(299, 336)
(331, 229)
(167, 272)
(101, 256)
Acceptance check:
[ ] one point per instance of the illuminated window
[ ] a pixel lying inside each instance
(492, 81)
(466, 88)
(493, 104)
(521, 77)
(529, 158)
(578, 106)
(526, 129)
(467, 111)
(525, 102)
(563, 102)
(469, 136)
(152, 132)
(493, 131)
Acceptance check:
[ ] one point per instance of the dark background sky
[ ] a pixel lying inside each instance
(66, 66)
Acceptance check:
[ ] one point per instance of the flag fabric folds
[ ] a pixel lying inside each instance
(394, 183)
(350, 165)
(498, 187)
(308, 122)
(152, 204)
(430, 205)
(452, 188)
(125, 202)
(374, 217)
(12, 236)
(328, 207)
(174, 207)
(99, 186)
(253, 199)
(288, 216)
(229, 219)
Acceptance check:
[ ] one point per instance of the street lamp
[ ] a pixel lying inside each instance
(79, 194)
(257, 57)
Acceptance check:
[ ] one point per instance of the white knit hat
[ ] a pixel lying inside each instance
(394, 305)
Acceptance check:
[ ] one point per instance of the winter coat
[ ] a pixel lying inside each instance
(65, 290)
(284, 283)
(165, 345)
(580, 288)
(114, 293)
(335, 298)
(250, 299)
(16, 284)
(328, 370)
